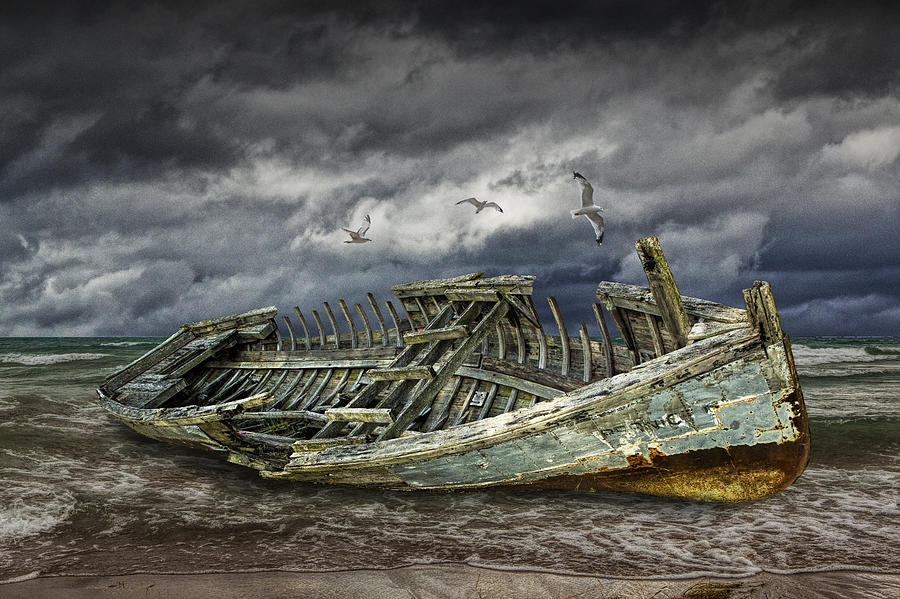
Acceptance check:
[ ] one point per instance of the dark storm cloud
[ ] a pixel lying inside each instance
(168, 162)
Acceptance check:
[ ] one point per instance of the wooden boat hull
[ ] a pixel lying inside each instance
(639, 434)
(709, 409)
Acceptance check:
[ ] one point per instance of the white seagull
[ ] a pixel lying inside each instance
(359, 236)
(588, 209)
(479, 206)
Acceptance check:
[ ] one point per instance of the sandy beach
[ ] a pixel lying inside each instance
(452, 582)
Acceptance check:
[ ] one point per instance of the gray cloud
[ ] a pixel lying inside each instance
(162, 163)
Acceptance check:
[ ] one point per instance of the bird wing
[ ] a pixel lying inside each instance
(587, 192)
(365, 226)
(493, 205)
(353, 234)
(596, 222)
(472, 201)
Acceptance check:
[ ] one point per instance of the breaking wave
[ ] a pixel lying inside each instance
(814, 356)
(45, 359)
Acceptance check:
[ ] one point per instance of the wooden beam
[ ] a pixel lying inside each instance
(427, 393)
(334, 326)
(435, 334)
(290, 327)
(306, 339)
(404, 358)
(469, 295)
(665, 291)
(655, 335)
(514, 382)
(605, 341)
(322, 338)
(354, 340)
(375, 415)
(586, 352)
(377, 312)
(308, 445)
(762, 313)
(641, 299)
(396, 319)
(365, 319)
(563, 336)
(528, 373)
(401, 373)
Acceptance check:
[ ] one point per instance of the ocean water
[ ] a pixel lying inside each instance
(83, 494)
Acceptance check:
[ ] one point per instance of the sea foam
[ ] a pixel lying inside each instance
(45, 359)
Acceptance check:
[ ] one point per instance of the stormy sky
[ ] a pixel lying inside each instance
(161, 163)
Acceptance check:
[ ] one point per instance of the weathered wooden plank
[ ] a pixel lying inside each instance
(377, 312)
(148, 360)
(426, 395)
(393, 313)
(409, 318)
(404, 358)
(307, 445)
(301, 364)
(368, 328)
(306, 339)
(375, 415)
(455, 332)
(441, 407)
(302, 415)
(149, 390)
(469, 295)
(641, 299)
(185, 416)
(655, 335)
(665, 291)
(465, 409)
(255, 332)
(345, 353)
(605, 341)
(301, 395)
(563, 335)
(488, 402)
(612, 395)
(405, 389)
(314, 397)
(279, 441)
(522, 309)
(195, 352)
(401, 373)
(423, 313)
(435, 285)
(334, 325)
(586, 352)
(557, 382)
(535, 385)
(354, 340)
(290, 328)
(322, 338)
(761, 311)
(252, 317)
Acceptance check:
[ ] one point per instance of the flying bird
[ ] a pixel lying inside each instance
(479, 206)
(588, 209)
(359, 236)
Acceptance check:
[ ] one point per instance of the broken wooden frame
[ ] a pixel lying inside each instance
(469, 350)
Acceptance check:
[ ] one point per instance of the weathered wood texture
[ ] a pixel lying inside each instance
(664, 290)
(761, 311)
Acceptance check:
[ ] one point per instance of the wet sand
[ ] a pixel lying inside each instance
(452, 582)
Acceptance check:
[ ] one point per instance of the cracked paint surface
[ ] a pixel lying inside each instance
(689, 416)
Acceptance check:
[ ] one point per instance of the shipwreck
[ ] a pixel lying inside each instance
(463, 389)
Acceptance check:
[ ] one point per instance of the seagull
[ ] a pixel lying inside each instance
(588, 209)
(479, 206)
(359, 236)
